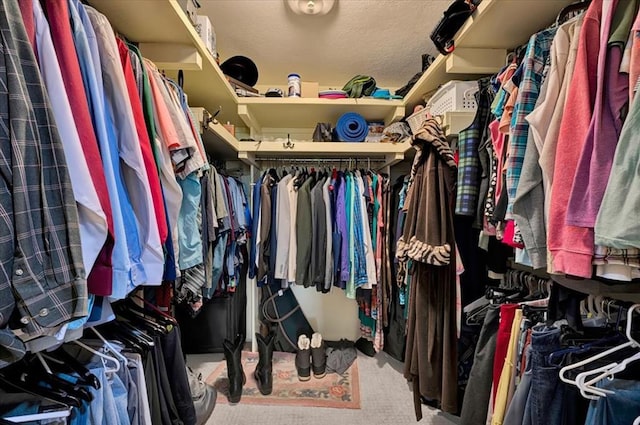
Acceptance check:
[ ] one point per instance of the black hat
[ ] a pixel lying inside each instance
(242, 69)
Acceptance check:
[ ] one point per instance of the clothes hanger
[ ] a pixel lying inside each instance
(64, 359)
(115, 361)
(110, 347)
(572, 8)
(54, 394)
(630, 343)
(587, 387)
(541, 302)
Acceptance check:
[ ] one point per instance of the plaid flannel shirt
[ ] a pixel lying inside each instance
(42, 281)
(534, 65)
(469, 140)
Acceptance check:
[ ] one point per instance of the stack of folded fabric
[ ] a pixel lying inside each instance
(332, 94)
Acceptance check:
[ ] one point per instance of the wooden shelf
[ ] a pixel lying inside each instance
(390, 153)
(496, 24)
(166, 36)
(219, 141)
(164, 25)
(454, 122)
(293, 112)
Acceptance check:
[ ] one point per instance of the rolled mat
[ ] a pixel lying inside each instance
(351, 127)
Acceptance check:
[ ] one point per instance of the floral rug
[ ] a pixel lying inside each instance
(337, 391)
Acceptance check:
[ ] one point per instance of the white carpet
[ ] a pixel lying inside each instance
(385, 397)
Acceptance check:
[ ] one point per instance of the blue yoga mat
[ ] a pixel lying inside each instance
(351, 127)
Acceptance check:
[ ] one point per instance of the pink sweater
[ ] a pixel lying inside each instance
(572, 247)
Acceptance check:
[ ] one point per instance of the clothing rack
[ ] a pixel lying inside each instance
(259, 164)
(341, 163)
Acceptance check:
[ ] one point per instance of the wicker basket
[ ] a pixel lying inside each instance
(454, 96)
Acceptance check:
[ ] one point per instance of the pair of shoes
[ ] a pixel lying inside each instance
(311, 355)
(263, 372)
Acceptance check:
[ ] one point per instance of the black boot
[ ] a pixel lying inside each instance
(264, 368)
(233, 355)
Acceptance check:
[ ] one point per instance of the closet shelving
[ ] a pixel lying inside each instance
(167, 36)
(259, 112)
(482, 43)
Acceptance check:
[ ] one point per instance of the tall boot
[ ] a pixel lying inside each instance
(264, 368)
(237, 378)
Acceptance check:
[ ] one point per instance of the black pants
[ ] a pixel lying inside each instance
(476, 396)
(177, 374)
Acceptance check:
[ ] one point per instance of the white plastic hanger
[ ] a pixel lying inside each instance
(115, 361)
(587, 387)
(111, 348)
(631, 343)
(542, 302)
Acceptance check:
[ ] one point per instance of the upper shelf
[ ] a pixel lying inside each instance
(167, 37)
(495, 26)
(164, 24)
(293, 112)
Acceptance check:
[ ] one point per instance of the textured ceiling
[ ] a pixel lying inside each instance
(381, 38)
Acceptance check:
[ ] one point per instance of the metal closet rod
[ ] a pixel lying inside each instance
(315, 160)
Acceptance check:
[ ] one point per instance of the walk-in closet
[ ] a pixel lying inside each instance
(363, 212)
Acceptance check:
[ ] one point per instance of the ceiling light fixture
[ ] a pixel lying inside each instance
(311, 7)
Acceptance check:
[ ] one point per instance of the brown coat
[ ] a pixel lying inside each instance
(428, 242)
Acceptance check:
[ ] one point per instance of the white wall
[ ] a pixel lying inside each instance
(333, 314)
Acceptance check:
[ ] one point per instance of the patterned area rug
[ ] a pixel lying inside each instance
(340, 392)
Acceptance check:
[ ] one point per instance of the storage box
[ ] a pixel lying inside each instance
(190, 7)
(207, 34)
(376, 132)
(309, 89)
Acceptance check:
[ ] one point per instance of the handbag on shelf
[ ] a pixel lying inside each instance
(454, 17)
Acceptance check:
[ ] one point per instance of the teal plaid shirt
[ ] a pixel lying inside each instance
(535, 63)
(469, 141)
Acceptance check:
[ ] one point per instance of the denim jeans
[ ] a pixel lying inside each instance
(544, 403)
(620, 408)
(517, 409)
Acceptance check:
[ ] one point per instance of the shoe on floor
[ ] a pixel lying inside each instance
(303, 358)
(318, 356)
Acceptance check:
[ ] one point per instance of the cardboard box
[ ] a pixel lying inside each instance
(207, 34)
(190, 7)
(309, 89)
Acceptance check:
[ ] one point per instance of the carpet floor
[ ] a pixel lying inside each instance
(385, 399)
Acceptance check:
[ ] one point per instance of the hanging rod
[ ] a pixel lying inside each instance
(324, 160)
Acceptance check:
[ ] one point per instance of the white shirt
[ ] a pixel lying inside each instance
(293, 216)
(91, 217)
(133, 169)
(283, 229)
